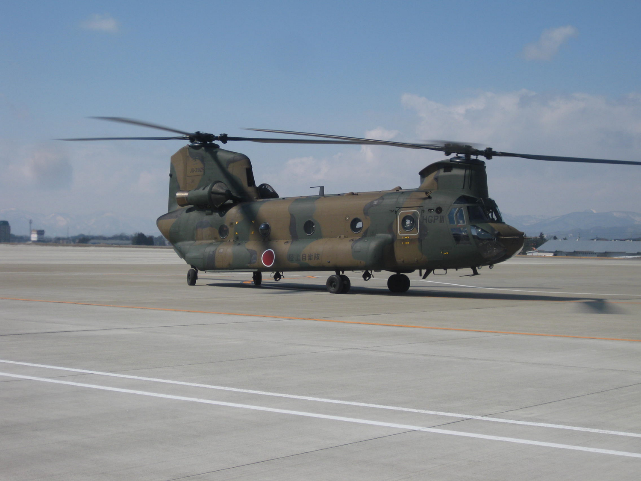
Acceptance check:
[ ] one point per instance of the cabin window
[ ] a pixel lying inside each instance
(356, 225)
(309, 227)
(264, 230)
(408, 223)
(223, 231)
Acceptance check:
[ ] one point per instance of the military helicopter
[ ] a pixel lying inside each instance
(219, 219)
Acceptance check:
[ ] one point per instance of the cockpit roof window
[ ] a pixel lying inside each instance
(466, 199)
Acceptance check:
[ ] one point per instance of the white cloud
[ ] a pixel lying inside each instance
(101, 23)
(548, 45)
(46, 167)
(577, 125)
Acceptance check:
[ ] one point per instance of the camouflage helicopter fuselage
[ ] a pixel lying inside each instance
(219, 219)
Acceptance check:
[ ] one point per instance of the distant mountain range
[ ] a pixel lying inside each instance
(585, 225)
(61, 225)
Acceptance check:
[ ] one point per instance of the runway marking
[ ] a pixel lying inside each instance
(290, 318)
(333, 418)
(326, 400)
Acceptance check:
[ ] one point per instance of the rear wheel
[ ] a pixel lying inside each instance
(192, 277)
(257, 277)
(398, 283)
(334, 284)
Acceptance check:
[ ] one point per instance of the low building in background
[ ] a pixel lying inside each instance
(5, 231)
(591, 248)
(37, 235)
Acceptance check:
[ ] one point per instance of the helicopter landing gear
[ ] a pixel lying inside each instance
(367, 275)
(257, 277)
(475, 271)
(346, 284)
(278, 276)
(338, 284)
(192, 277)
(398, 283)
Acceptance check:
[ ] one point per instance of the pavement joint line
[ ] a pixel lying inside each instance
(463, 417)
(337, 321)
(524, 290)
(287, 456)
(369, 422)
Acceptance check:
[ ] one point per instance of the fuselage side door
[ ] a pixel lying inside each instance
(407, 248)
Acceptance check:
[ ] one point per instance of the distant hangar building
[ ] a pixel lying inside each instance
(591, 248)
(5, 231)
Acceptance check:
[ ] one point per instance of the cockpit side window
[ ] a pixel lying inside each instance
(457, 216)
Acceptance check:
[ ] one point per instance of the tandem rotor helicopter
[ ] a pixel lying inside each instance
(219, 219)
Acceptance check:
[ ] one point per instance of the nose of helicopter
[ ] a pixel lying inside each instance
(510, 238)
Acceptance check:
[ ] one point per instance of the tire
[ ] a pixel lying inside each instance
(192, 277)
(334, 284)
(404, 283)
(257, 277)
(398, 283)
(346, 284)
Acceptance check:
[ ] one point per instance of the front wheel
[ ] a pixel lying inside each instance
(192, 277)
(346, 284)
(334, 284)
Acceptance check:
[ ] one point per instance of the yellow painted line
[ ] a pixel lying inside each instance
(290, 318)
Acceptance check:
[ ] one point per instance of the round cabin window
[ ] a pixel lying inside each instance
(356, 225)
(264, 230)
(408, 223)
(309, 227)
(223, 231)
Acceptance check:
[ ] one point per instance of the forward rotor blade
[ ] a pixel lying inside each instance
(552, 158)
(453, 148)
(354, 140)
(264, 140)
(123, 120)
(125, 138)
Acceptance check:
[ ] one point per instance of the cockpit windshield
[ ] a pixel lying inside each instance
(476, 214)
(480, 210)
(492, 210)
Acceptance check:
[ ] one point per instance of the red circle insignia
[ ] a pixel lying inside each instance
(268, 258)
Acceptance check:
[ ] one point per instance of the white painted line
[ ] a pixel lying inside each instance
(331, 401)
(333, 418)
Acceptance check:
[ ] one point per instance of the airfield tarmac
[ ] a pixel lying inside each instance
(111, 367)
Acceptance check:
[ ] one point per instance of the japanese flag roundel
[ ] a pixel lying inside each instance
(268, 258)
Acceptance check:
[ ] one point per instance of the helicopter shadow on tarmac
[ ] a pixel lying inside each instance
(584, 305)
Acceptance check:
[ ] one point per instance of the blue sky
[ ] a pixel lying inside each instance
(538, 77)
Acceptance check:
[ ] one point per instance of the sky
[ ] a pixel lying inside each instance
(536, 77)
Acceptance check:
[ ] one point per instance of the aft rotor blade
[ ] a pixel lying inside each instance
(552, 158)
(125, 138)
(124, 120)
(354, 140)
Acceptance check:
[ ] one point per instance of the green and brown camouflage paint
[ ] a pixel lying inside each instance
(228, 237)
